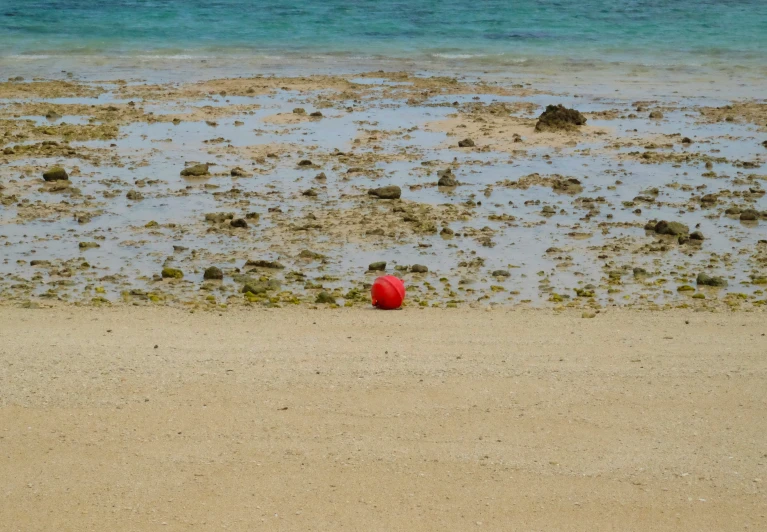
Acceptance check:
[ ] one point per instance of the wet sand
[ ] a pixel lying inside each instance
(155, 418)
(536, 218)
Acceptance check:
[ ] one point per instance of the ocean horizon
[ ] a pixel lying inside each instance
(671, 34)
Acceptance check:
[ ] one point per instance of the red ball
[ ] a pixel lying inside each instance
(388, 292)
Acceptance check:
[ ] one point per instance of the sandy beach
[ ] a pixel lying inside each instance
(155, 418)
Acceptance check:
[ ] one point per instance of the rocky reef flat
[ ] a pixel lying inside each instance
(279, 191)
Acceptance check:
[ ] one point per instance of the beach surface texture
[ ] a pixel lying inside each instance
(351, 419)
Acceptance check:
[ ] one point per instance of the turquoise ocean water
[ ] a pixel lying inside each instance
(686, 33)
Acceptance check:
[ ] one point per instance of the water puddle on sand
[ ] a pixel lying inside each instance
(586, 245)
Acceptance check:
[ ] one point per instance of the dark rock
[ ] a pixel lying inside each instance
(446, 231)
(213, 273)
(299, 111)
(559, 117)
(39, 262)
(257, 287)
(447, 179)
(419, 268)
(749, 215)
(548, 210)
(305, 162)
(686, 140)
(707, 280)
(134, 195)
(316, 114)
(196, 170)
(377, 266)
(388, 192)
(671, 228)
(239, 223)
(656, 115)
(239, 172)
(52, 115)
(325, 298)
(696, 235)
(56, 174)
(309, 192)
(640, 272)
(466, 143)
(501, 273)
(9, 151)
(88, 245)
(321, 176)
(272, 265)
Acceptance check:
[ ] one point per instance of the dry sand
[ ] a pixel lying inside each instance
(135, 418)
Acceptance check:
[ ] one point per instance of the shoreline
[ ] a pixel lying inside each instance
(134, 418)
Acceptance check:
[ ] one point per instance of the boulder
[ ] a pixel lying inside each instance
(213, 273)
(671, 228)
(387, 192)
(195, 170)
(466, 143)
(56, 174)
(559, 118)
(377, 266)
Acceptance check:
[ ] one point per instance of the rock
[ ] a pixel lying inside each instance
(501, 273)
(316, 114)
(179, 249)
(269, 264)
(733, 210)
(239, 223)
(466, 143)
(656, 115)
(310, 255)
(88, 245)
(9, 151)
(252, 216)
(588, 315)
(419, 268)
(749, 215)
(640, 272)
(696, 235)
(707, 280)
(376, 232)
(447, 179)
(446, 231)
(305, 162)
(671, 228)
(709, 198)
(685, 288)
(299, 111)
(56, 173)
(172, 273)
(325, 298)
(261, 287)
(310, 193)
(195, 170)
(218, 217)
(52, 115)
(239, 172)
(387, 192)
(686, 140)
(321, 176)
(377, 266)
(213, 273)
(548, 210)
(134, 195)
(39, 262)
(764, 143)
(559, 117)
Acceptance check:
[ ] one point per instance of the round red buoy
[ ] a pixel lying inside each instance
(388, 292)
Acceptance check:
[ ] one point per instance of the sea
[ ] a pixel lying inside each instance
(677, 35)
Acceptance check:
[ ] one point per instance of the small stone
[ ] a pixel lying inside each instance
(310, 255)
(299, 111)
(447, 179)
(696, 235)
(195, 170)
(218, 217)
(501, 273)
(310, 193)
(172, 273)
(466, 143)
(387, 192)
(708, 280)
(419, 268)
(269, 264)
(686, 140)
(671, 228)
(749, 215)
(325, 298)
(88, 245)
(656, 115)
(305, 162)
(213, 273)
(377, 266)
(56, 174)
(446, 231)
(321, 176)
(239, 172)
(548, 210)
(239, 223)
(134, 195)
(316, 114)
